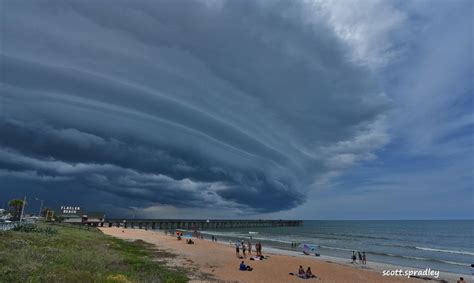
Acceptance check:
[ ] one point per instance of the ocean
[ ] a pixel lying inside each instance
(445, 245)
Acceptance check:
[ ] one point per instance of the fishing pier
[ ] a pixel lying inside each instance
(196, 224)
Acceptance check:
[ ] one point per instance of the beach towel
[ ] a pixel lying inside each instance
(300, 277)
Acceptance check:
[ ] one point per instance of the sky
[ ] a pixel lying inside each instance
(312, 109)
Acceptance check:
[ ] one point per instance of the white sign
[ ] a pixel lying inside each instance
(70, 209)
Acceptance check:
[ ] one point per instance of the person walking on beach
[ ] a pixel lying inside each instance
(249, 245)
(259, 249)
(364, 259)
(237, 250)
(359, 255)
(243, 249)
(353, 257)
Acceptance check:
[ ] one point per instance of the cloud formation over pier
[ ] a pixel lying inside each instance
(231, 104)
(238, 105)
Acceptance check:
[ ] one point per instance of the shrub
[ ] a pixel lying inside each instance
(26, 228)
(33, 228)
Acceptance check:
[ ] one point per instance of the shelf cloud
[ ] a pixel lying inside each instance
(238, 105)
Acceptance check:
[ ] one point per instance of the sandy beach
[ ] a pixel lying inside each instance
(217, 261)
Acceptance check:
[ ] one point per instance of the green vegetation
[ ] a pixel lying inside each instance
(33, 228)
(67, 254)
(16, 206)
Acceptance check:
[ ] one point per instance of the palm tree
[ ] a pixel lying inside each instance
(16, 206)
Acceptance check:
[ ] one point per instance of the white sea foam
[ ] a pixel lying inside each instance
(445, 251)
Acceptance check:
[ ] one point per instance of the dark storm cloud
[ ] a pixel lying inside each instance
(234, 104)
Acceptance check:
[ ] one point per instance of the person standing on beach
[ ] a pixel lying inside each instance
(359, 255)
(354, 256)
(364, 259)
(243, 249)
(250, 247)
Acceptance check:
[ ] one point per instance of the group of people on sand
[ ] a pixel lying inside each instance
(304, 274)
(189, 241)
(361, 256)
(247, 248)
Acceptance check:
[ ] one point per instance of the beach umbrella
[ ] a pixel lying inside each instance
(308, 248)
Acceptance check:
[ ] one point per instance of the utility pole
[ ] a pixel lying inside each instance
(41, 206)
(23, 209)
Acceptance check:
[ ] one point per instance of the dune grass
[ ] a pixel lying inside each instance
(77, 255)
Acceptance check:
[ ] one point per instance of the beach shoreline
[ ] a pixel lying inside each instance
(217, 261)
(371, 265)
